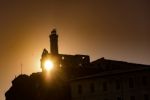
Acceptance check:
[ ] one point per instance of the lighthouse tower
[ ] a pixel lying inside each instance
(53, 42)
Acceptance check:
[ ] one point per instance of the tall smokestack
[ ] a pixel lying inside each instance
(54, 42)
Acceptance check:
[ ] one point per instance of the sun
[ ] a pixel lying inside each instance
(48, 65)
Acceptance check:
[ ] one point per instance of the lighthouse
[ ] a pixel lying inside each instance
(53, 42)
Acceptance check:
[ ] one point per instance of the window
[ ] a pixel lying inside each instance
(60, 65)
(132, 97)
(146, 97)
(79, 89)
(62, 57)
(83, 57)
(144, 81)
(118, 85)
(80, 64)
(105, 86)
(119, 98)
(131, 83)
(92, 87)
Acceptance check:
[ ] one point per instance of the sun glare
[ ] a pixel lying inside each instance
(48, 65)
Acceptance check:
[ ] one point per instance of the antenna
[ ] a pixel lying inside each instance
(21, 68)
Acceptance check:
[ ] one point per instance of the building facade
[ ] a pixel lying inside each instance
(129, 84)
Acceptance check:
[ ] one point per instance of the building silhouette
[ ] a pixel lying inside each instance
(74, 77)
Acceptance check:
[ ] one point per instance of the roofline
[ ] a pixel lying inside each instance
(102, 74)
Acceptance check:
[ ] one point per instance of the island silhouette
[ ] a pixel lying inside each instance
(73, 77)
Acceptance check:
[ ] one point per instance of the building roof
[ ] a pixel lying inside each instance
(105, 67)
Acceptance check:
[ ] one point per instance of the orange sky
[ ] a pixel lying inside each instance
(114, 29)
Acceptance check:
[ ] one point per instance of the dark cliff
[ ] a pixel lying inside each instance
(37, 87)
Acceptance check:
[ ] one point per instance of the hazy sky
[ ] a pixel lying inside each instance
(114, 29)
